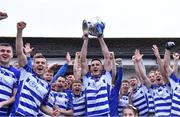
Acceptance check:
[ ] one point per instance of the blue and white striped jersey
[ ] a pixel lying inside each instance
(97, 94)
(50, 103)
(150, 102)
(8, 81)
(32, 92)
(63, 101)
(79, 104)
(123, 102)
(51, 99)
(140, 100)
(175, 84)
(162, 99)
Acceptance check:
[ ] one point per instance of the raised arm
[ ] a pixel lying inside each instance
(62, 69)
(142, 70)
(77, 66)
(84, 63)
(113, 65)
(169, 46)
(106, 53)
(3, 15)
(135, 63)
(138, 58)
(19, 44)
(176, 59)
(160, 63)
(167, 66)
(119, 74)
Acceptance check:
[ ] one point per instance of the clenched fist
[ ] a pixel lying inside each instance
(21, 25)
(3, 15)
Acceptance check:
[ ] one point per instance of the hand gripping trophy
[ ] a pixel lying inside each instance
(94, 27)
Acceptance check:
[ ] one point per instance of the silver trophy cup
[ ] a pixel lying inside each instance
(95, 27)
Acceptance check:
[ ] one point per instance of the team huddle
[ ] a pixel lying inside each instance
(30, 87)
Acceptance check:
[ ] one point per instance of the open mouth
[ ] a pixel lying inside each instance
(158, 78)
(95, 70)
(133, 84)
(77, 90)
(39, 68)
(5, 56)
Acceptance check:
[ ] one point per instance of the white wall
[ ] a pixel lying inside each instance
(63, 18)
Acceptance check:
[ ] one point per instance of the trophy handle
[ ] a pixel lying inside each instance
(85, 27)
(100, 28)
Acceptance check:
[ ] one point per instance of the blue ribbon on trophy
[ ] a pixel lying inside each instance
(94, 27)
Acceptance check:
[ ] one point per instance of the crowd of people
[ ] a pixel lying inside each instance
(30, 87)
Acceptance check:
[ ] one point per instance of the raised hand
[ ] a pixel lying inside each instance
(85, 36)
(169, 45)
(137, 55)
(133, 59)
(156, 51)
(119, 61)
(68, 58)
(3, 15)
(21, 25)
(176, 56)
(28, 49)
(112, 55)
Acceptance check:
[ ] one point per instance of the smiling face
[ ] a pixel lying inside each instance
(60, 83)
(96, 68)
(70, 79)
(133, 82)
(76, 88)
(124, 87)
(48, 75)
(6, 54)
(158, 78)
(40, 66)
(151, 77)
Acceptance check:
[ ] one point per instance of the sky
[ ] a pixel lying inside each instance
(63, 18)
